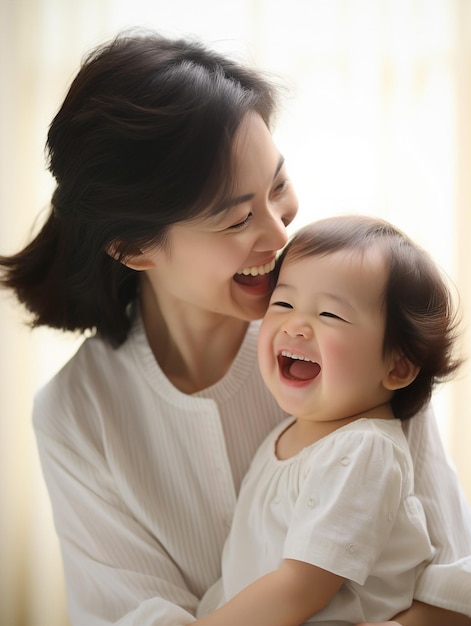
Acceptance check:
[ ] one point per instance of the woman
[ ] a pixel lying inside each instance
(171, 203)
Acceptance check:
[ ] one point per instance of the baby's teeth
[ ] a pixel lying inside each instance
(291, 355)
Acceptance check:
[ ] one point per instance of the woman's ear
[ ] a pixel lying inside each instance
(139, 260)
(401, 373)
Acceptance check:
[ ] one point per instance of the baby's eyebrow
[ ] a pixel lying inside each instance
(324, 294)
(284, 285)
(336, 298)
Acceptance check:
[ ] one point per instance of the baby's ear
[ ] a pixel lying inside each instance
(138, 260)
(401, 373)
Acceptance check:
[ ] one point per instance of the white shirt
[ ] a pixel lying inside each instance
(143, 481)
(345, 504)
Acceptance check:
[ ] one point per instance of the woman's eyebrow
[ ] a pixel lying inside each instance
(279, 165)
(232, 202)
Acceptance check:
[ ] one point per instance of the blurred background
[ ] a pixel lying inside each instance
(376, 119)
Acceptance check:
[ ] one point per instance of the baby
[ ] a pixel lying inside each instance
(327, 528)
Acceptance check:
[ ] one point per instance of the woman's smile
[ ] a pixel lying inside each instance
(256, 279)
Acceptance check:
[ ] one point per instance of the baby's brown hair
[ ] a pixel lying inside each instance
(421, 321)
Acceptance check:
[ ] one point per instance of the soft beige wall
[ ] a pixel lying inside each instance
(346, 160)
(460, 425)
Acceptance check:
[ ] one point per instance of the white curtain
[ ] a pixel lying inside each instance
(377, 120)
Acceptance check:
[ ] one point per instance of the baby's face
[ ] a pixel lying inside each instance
(320, 343)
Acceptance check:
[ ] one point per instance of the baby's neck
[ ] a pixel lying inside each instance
(303, 432)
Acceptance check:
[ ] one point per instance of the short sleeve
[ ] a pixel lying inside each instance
(353, 490)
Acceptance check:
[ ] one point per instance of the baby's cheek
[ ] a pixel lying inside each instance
(341, 360)
(335, 349)
(266, 359)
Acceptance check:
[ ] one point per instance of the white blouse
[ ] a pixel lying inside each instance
(143, 481)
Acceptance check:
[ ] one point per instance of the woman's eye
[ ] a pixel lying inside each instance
(241, 224)
(286, 305)
(329, 314)
(281, 186)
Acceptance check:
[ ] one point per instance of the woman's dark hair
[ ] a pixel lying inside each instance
(142, 140)
(421, 322)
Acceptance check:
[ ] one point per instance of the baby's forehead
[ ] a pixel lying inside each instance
(356, 275)
(368, 256)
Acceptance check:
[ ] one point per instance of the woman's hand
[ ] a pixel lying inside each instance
(379, 624)
(420, 614)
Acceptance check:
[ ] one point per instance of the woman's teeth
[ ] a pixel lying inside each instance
(258, 270)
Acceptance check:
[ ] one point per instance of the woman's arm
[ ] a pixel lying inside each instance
(436, 485)
(287, 596)
(446, 582)
(116, 570)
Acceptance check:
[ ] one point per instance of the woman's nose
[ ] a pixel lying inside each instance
(273, 233)
(275, 218)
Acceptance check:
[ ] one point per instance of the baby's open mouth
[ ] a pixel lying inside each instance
(297, 367)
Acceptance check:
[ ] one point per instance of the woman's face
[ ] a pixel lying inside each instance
(221, 264)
